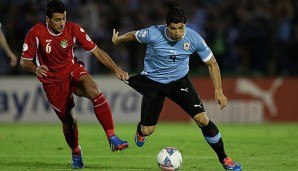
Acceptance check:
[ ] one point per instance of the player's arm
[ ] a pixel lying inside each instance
(105, 59)
(127, 37)
(216, 78)
(12, 57)
(28, 65)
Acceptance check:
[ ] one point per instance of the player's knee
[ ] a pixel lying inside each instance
(93, 92)
(201, 119)
(88, 88)
(148, 130)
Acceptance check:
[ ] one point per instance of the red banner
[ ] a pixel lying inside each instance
(249, 100)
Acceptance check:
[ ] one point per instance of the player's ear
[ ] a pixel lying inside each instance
(47, 19)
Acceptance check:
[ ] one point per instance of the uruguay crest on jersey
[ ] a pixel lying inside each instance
(186, 45)
(64, 43)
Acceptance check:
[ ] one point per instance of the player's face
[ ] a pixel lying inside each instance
(176, 31)
(57, 22)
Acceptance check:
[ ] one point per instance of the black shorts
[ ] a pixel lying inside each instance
(181, 92)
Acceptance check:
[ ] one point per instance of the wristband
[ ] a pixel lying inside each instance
(36, 70)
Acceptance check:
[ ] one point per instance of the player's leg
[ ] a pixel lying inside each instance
(213, 137)
(211, 134)
(152, 103)
(70, 131)
(85, 86)
(151, 107)
(60, 97)
(188, 99)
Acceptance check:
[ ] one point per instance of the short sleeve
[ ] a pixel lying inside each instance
(83, 39)
(30, 45)
(143, 35)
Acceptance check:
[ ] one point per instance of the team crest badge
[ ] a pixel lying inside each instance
(64, 43)
(186, 45)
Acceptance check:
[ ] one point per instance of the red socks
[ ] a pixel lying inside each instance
(71, 137)
(103, 114)
(76, 151)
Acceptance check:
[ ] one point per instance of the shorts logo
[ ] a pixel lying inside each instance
(184, 89)
(64, 43)
(198, 105)
(186, 45)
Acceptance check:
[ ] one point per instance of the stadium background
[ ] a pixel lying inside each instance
(254, 41)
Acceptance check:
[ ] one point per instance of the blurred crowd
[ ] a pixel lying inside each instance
(247, 37)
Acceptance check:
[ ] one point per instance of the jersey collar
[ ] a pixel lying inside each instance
(53, 34)
(165, 32)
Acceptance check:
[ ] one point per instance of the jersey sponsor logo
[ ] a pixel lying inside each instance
(48, 40)
(64, 43)
(186, 45)
(173, 51)
(25, 47)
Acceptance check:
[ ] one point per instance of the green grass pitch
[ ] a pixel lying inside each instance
(257, 147)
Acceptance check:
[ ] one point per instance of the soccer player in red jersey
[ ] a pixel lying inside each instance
(48, 51)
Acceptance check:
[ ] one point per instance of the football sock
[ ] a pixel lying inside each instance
(76, 151)
(139, 129)
(71, 136)
(103, 114)
(213, 137)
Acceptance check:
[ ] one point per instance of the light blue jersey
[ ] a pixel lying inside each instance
(167, 60)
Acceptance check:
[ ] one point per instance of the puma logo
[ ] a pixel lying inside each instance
(173, 51)
(246, 86)
(198, 105)
(184, 89)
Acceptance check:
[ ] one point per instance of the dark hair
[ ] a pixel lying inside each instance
(176, 15)
(55, 6)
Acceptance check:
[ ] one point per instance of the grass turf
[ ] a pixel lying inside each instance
(257, 147)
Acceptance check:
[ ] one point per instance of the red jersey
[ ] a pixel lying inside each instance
(56, 51)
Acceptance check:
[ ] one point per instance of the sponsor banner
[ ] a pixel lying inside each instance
(250, 100)
(22, 100)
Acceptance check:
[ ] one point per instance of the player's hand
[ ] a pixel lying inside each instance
(221, 99)
(115, 37)
(41, 71)
(13, 59)
(122, 75)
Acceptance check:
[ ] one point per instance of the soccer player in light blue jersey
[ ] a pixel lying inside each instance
(165, 74)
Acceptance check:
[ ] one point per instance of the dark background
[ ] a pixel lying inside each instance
(247, 37)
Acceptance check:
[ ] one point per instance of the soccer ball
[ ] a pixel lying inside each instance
(169, 158)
